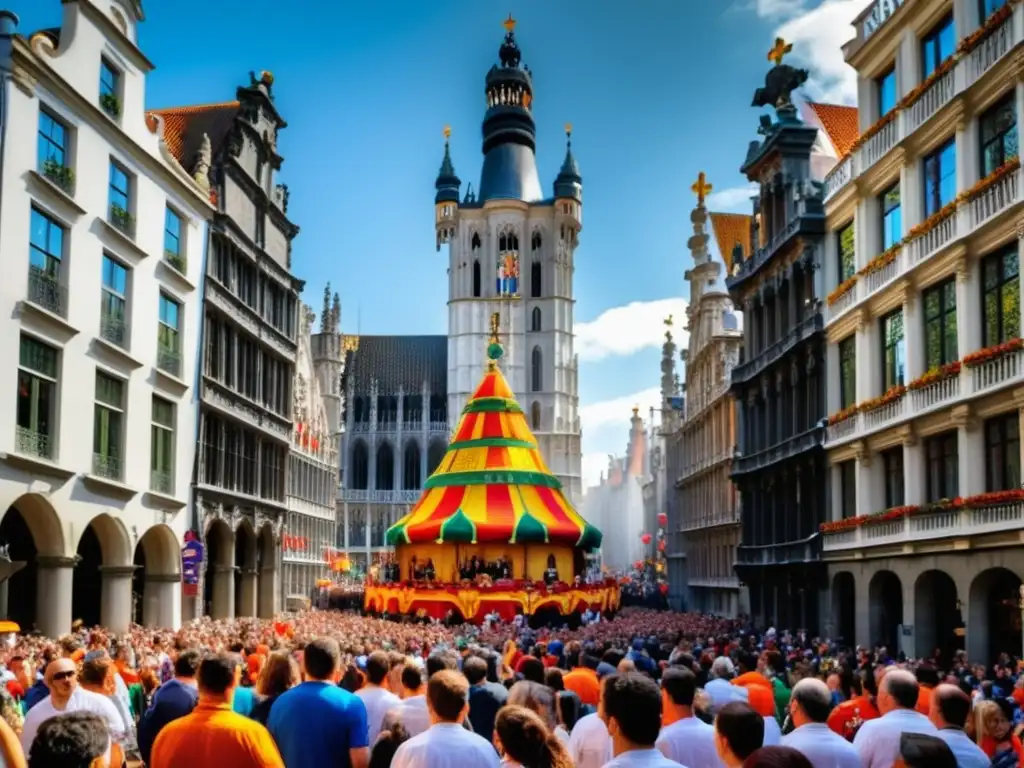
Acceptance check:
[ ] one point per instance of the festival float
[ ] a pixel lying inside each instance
(492, 531)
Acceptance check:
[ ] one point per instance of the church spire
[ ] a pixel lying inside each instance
(447, 184)
(569, 183)
(703, 275)
(668, 368)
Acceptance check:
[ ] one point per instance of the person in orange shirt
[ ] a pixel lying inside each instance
(927, 679)
(752, 674)
(846, 718)
(213, 736)
(582, 680)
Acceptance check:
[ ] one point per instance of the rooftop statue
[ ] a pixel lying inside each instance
(781, 80)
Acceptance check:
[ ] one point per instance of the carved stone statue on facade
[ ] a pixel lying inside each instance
(204, 159)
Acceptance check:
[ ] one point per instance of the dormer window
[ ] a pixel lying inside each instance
(110, 88)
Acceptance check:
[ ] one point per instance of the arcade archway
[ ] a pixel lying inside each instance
(994, 614)
(885, 601)
(219, 580)
(30, 529)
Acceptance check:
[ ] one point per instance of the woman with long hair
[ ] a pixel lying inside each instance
(383, 750)
(524, 740)
(279, 673)
(536, 697)
(568, 706)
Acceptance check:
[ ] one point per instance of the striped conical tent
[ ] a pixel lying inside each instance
(492, 486)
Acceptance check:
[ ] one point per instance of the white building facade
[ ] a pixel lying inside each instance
(511, 251)
(924, 326)
(104, 238)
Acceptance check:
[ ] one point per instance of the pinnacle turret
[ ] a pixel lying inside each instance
(448, 183)
(569, 183)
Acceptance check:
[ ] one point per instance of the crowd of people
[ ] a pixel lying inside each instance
(645, 688)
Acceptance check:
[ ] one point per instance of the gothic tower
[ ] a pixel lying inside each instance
(510, 251)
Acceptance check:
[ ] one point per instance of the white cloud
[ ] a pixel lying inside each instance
(612, 415)
(732, 198)
(630, 328)
(817, 35)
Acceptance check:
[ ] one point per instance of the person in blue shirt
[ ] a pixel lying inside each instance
(317, 723)
(175, 698)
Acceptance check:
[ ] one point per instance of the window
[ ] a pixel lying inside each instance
(535, 319)
(848, 371)
(988, 7)
(940, 178)
(261, 229)
(886, 86)
(161, 477)
(535, 278)
(476, 278)
(848, 488)
(892, 220)
(37, 399)
(120, 194)
(1002, 453)
(847, 252)
(113, 301)
(110, 80)
(943, 467)
(535, 415)
(172, 239)
(108, 425)
(998, 134)
(1000, 297)
(940, 343)
(892, 465)
(52, 151)
(937, 46)
(894, 361)
(46, 250)
(168, 349)
(536, 374)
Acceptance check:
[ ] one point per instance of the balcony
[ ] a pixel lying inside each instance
(177, 261)
(47, 291)
(787, 449)
(32, 443)
(991, 199)
(968, 70)
(161, 482)
(408, 427)
(805, 551)
(59, 175)
(122, 221)
(807, 218)
(114, 330)
(802, 331)
(380, 497)
(168, 360)
(913, 529)
(108, 467)
(703, 464)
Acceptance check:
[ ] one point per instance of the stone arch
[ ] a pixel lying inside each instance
(360, 477)
(411, 466)
(157, 574)
(246, 553)
(535, 415)
(435, 453)
(219, 581)
(267, 571)
(535, 319)
(384, 477)
(31, 529)
(536, 370)
(936, 614)
(105, 556)
(995, 616)
(885, 608)
(844, 614)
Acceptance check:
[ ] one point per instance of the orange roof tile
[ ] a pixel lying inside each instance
(839, 123)
(729, 229)
(184, 127)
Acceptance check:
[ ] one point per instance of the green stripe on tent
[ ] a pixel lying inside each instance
(493, 477)
(492, 405)
(492, 442)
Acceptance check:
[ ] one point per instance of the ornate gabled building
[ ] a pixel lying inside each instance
(673, 405)
(779, 384)
(708, 499)
(250, 333)
(511, 250)
(308, 543)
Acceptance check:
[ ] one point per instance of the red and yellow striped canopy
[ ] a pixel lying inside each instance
(492, 486)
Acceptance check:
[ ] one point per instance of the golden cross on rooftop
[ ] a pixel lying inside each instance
(701, 187)
(779, 51)
(509, 24)
(447, 132)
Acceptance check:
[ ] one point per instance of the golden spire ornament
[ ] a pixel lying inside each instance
(779, 51)
(701, 187)
(494, 349)
(447, 131)
(509, 24)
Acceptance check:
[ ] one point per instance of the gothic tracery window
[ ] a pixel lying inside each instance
(536, 372)
(535, 319)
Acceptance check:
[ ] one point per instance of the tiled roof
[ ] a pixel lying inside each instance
(184, 128)
(400, 362)
(729, 229)
(839, 123)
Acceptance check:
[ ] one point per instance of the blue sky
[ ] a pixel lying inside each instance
(656, 90)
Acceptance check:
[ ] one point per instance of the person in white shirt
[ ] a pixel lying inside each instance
(590, 746)
(446, 743)
(739, 733)
(631, 709)
(686, 740)
(61, 678)
(376, 698)
(878, 741)
(719, 689)
(809, 706)
(411, 711)
(949, 712)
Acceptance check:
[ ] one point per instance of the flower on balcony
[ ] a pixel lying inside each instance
(974, 39)
(932, 221)
(993, 178)
(978, 501)
(842, 289)
(843, 525)
(994, 352)
(893, 513)
(941, 70)
(935, 375)
(843, 415)
(887, 118)
(891, 395)
(881, 261)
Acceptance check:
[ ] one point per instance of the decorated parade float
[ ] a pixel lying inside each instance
(492, 531)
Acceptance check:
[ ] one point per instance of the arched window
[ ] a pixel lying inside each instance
(536, 378)
(535, 415)
(535, 319)
(535, 280)
(535, 242)
(475, 243)
(385, 468)
(476, 278)
(411, 467)
(360, 467)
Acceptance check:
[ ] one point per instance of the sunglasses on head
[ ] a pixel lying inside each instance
(67, 675)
